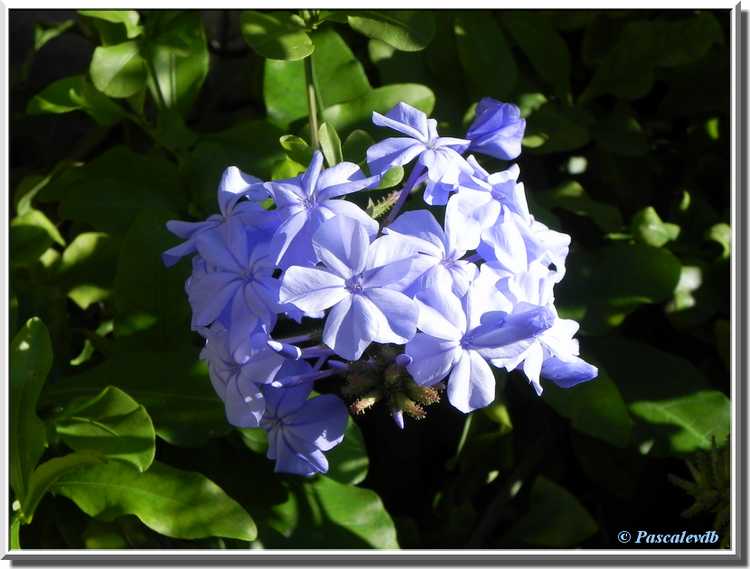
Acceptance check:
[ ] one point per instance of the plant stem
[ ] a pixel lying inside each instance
(159, 95)
(312, 111)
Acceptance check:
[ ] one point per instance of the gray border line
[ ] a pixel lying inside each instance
(618, 557)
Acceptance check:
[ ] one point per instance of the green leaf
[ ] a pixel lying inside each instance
(179, 56)
(647, 227)
(255, 439)
(111, 190)
(172, 385)
(176, 503)
(296, 148)
(628, 70)
(286, 168)
(545, 48)
(104, 535)
(721, 233)
(355, 146)
(149, 298)
(87, 268)
(330, 144)
(391, 178)
(48, 473)
(324, 511)
(31, 234)
(556, 518)
(276, 35)
(554, 128)
(358, 112)
(635, 274)
(595, 408)
(252, 146)
(407, 30)
(56, 97)
(127, 18)
(338, 76)
(571, 197)
(44, 34)
(118, 70)
(482, 47)
(348, 461)
(674, 417)
(111, 423)
(30, 362)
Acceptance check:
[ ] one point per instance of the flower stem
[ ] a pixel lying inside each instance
(410, 184)
(312, 107)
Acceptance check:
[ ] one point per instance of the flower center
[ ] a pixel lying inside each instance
(354, 284)
(308, 203)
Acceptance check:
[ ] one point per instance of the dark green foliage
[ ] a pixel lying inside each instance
(117, 439)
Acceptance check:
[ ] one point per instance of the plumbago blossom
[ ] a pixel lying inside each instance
(394, 310)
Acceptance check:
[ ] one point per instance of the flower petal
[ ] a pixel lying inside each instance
(399, 313)
(441, 314)
(471, 384)
(341, 243)
(432, 358)
(568, 373)
(311, 289)
(405, 119)
(321, 420)
(350, 327)
(392, 152)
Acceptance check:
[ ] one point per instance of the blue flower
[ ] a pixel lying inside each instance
(513, 243)
(237, 383)
(553, 354)
(234, 186)
(458, 336)
(307, 200)
(438, 251)
(237, 285)
(479, 199)
(361, 283)
(497, 129)
(299, 429)
(441, 156)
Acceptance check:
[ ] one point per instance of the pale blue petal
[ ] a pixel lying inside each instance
(311, 289)
(433, 358)
(471, 384)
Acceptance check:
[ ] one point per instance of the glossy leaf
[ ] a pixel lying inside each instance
(111, 423)
(43, 34)
(173, 502)
(407, 30)
(87, 268)
(276, 35)
(296, 148)
(595, 408)
(358, 112)
(330, 144)
(675, 417)
(348, 461)
(338, 77)
(31, 234)
(45, 476)
(111, 190)
(571, 197)
(118, 70)
(172, 385)
(649, 228)
(30, 362)
(325, 511)
(180, 59)
(127, 18)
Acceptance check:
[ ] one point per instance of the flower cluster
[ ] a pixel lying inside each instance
(420, 303)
